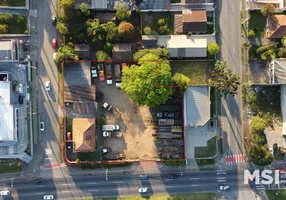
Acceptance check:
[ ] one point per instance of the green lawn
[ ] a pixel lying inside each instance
(12, 2)
(276, 194)
(190, 196)
(16, 24)
(199, 72)
(205, 162)
(89, 156)
(257, 21)
(209, 151)
(9, 166)
(150, 19)
(175, 163)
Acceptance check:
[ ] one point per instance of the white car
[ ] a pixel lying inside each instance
(48, 85)
(48, 197)
(20, 88)
(42, 126)
(224, 187)
(143, 190)
(94, 73)
(54, 56)
(5, 192)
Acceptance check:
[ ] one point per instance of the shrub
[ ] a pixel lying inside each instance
(147, 30)
(108, 47)
(251, 33)
(181, 80)
(190, 34)
(123, 10)
(268, 9)
(213, 48)
(282, 52)
(102, 55)
(62, 28)
(163, 30)
(84, 9)
(161, 22)
(125, 29)
(3, 28)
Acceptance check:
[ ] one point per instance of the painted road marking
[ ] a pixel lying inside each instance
(221, 170)
(194, 178)
(66, 184)
(220, 177)
(65, 191)
(221, 173)
(169, 186)
(92, 183)
(48, 151)
(118, 182)
(221, 180)
(231, 159)
(195, 185)
(94, 190)
(40, 193)
(39, 186)
(52, 165)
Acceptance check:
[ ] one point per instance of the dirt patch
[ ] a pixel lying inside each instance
(258, 72)
(137, 141)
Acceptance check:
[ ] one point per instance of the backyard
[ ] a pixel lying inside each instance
(12, 2)
(199, 72)
(151, 20)
(257, 22)
(15, 24)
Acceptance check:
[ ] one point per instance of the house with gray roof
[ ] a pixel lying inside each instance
(8, 50)
(100, 4)
(277, 71)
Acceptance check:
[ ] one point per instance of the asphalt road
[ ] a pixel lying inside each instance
(98, 186)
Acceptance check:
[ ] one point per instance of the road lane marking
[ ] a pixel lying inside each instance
(169, 186)
(221, 170)
(220, 177)
(66, 191)
(221, 173)
(118, 189)
(221, 180)
(94, 190)
(194, 185)
(39, 186)
(40, 193)
(118, 182)
(194, 178)
(92, 183)
(66, 184)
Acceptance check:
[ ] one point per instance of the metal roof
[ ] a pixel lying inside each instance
(278, 66)
(196, 106)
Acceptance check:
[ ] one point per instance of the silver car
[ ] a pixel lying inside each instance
(42, 126)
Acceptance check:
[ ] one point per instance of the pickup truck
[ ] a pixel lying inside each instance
(111, 134)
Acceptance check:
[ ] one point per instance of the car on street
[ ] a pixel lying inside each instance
(172, 176)
(20, 88)
(54, 20)
(42, 126)
(54, 43)
(48, 85)
(224, 187)
(101, 75)
(54, 56)
(38, 180)
(143, 190)
(106, 150)
(48, 197)
(143, 177)
(5, 192)
(21, 99)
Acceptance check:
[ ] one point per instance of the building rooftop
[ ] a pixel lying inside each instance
(83, 130)
(6, 112)
(196, 106)
(276, 26)
(78, 93)
(278, 67)
(7, 50)
(191, 21)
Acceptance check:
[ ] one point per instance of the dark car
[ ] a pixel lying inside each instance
(143, 177)
(21, 99)
(54, 20)
(38, 180)
(172, 176)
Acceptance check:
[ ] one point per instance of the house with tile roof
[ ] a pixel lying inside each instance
(276, 26)
(83, 130)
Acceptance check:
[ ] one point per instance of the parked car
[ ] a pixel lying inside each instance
(5, 192)
(109, 80)
(42, 126)
(54, 20)
(69, 136)
(224, 187)
(143, 177)
(107, 133)
(21, 99)
(143, 190)
(101, 75)
(54, 56)
(48, 197)
(20, 88)
(54, 43)
(106, 150)
(94, 73)
(48, 85)
(38, 180)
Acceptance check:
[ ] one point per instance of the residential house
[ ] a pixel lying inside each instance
(149, 41)
(83, 130)
(122, 51)
(100, 4)
(276, 26)
(82, 50)
(191, 22)
(105, 17)
(8, 50)
(258, 4)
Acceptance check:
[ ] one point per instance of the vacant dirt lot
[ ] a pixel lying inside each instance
(137, 141)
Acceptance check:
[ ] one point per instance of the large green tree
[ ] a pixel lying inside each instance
(149, 82)
(224, 80)
(67, 9)
(66, 52)
(123, 10)
(260, 155)
(95, 30)
(62, 28)
(111, 31)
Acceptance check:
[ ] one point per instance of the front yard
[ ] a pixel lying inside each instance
(12, 2)
(199, 72)
(15, 24)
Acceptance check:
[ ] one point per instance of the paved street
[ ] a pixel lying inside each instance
(98, 186)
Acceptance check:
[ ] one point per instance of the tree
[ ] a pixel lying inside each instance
(181, 80)
(62, 28)
(161, 22)
(125, 29)
(160, 52)
(213, 48)
(102, 56)
(268, 9)
(111, 31)
(66, 52)
(84, 9)
(108, 48)
(224, 80)
(260, 155)
(163, 30)
(257, 125)
(267, 51)
(147, 30)
(123, 10)
(283, 41)
(3, 28)
(95, 30)
(6, 18)
(67, 8)
(149, 82)
(282, 52)
(251, 33)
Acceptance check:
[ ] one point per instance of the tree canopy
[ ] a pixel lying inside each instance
(102, 56)
(267, 51)
(126, 29)
(268, 9)
(95, 30)
(66, 52)
(160, 52)
(3, 28)
(111, 31)
(62, 28)
(213, 48)
(224, 80)
(123, 10)
(140, 82)
(181, 80)
(84, 9)
(67, 8)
